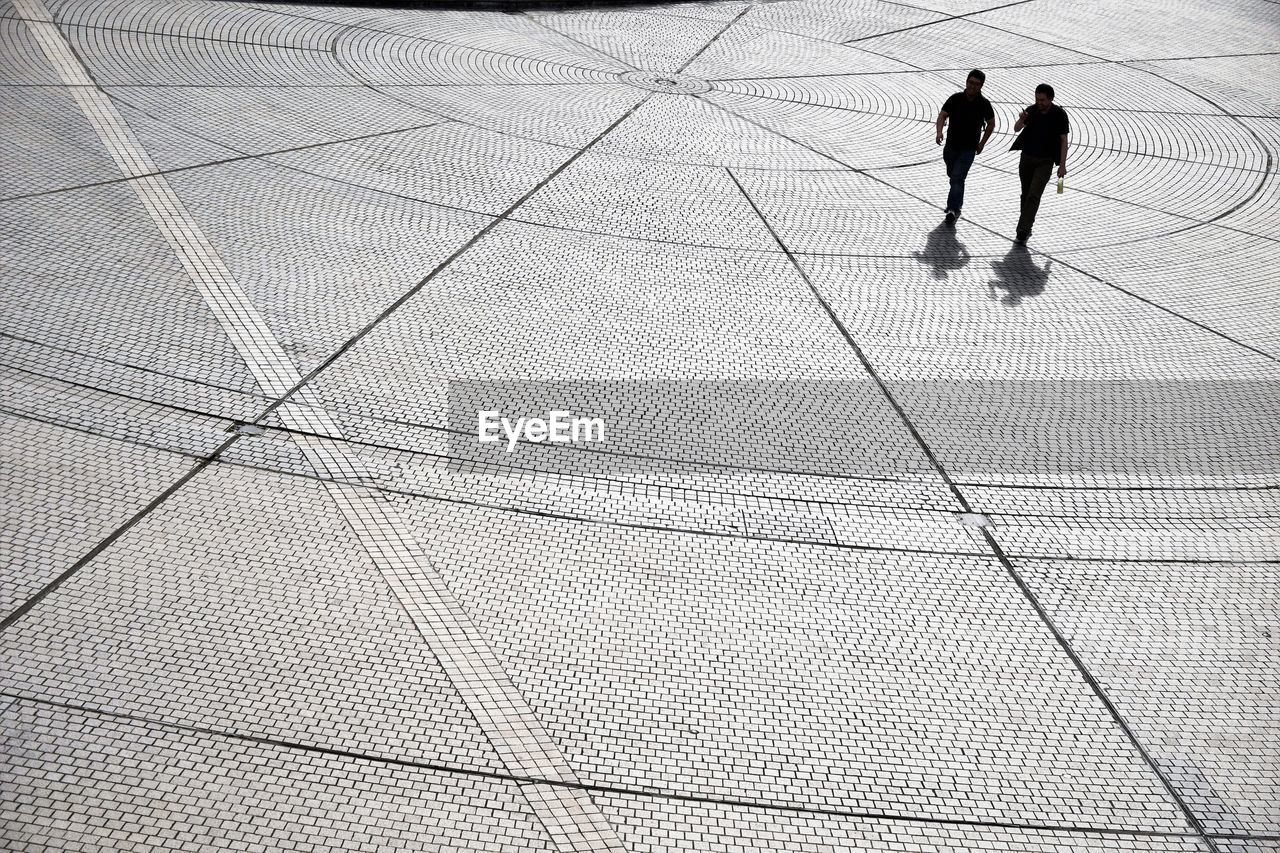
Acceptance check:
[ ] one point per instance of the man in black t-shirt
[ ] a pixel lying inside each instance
(1043, 142)
(970, 115)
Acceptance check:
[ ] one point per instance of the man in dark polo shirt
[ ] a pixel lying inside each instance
(970, 116)
(1043, 142)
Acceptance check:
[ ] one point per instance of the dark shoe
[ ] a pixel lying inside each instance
(1021, 239)
(952, 216)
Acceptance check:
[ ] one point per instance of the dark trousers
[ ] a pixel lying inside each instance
(958, 161)
(1034, 173)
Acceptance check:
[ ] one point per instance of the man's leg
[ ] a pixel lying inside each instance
(1034, 173)
(948, 160)
(961, 162)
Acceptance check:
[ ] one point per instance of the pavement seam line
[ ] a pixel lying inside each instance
(715, 38)
(997, 551)
(933, 23)
(572, 821)
(447, 45)
(1093, 276)
(704, 502)
(833, 543)
(505, 216)
(185, 728)
(46, 590)
(223, 161)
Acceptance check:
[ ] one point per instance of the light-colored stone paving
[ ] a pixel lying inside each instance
(900, 537)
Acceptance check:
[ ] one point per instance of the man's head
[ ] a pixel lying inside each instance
(973, 84)
(1044, 96)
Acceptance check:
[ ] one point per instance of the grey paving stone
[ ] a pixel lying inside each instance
(275, 119)
(652, 825)
(762, 48)
(71, 251)
(844, 131)
(399, 48)
(1164, 28)
(118, 399)
(450, 164)
(497, 37)
(993, 319)
(168, 143)
(637, 39)
(721, 139)
(1090, 83)
(1224, 81)
(65, 491)
(1118, 431)
(338, 283)
(50, 145)
(793, 676)
(1211, 523)
(77, 781)
(802, 341)
(766, 586)
(565, 114)
(968, 43)
(234, 25)
(833, 24)
(1222, 273)
(117, 57)
(220, 611)
(650, 200)
(21, 62)
(859, 217)
(1187, 651)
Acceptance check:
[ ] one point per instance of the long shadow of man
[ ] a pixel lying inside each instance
(943, 252)
(1018, 276)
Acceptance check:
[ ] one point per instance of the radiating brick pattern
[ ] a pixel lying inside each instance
(903, 537)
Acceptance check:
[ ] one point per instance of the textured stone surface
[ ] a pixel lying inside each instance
(901, 538)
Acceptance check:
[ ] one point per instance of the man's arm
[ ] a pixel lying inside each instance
(986, 134)
(1062, 157)
(942, 120)
(1021, 122)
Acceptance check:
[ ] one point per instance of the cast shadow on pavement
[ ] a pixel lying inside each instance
(943, 251)
(1018, 276)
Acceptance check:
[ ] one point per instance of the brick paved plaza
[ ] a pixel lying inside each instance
(892, 536)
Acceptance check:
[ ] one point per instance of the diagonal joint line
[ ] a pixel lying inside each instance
(1092, 276)
(994, 546)
(127, 718)
(443, 265)
(938, 21)
(736, 18)
(110, 539)
(225, 160)
(578, 42)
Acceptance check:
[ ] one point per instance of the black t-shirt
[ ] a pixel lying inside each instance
(964, 120)
(1041, 137)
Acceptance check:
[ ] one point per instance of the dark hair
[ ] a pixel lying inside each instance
(1047, 89)
(982, 78)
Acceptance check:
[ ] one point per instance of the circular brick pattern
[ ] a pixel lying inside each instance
(785, 580)
(665, 82)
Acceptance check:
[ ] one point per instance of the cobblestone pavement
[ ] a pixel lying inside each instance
(897, 537)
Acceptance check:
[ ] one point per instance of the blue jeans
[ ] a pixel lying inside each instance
(957, 161)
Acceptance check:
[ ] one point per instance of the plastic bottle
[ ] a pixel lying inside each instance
(1059, 186)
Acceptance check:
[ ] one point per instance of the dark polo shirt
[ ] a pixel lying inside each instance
(965, 119)
(1041, 137)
